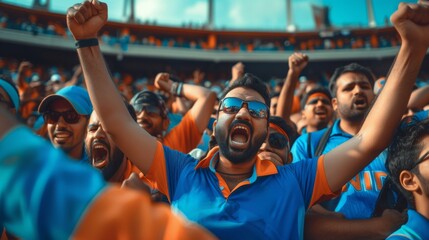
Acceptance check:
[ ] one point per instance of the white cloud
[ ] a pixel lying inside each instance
(198, 10)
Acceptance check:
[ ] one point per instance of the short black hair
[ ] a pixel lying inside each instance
(252, 82)
(289, 130)
(274, 94)
(403, 153)
(318, 89)
(354, 68)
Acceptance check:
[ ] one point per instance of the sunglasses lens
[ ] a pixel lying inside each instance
(231, 105)
(70, 117)
(258, 109)
(277, 140)
(51, 117)
(149, 109)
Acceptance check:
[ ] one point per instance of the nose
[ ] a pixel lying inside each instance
(357, 89)
(100, 132)
(61, 121)
(243, 113)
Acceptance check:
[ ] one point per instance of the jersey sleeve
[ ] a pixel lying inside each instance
(185, 136)
(311, 177)
(167, 168)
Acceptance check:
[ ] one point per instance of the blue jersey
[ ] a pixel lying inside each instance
(417, 227)
(359, 195)
(271, 204)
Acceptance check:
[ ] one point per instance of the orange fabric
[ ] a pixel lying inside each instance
(316, 95)
(130, 168)
(280, 130)
(263, 168)
(127, 214)
(321, 186)
(158, 172)
(3, 235)
(185, 136)
(296, 105)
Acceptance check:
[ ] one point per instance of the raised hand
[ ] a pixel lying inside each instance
(297, 62)
(162, 82)
(85, 19)
(237, 71)
(412, 23)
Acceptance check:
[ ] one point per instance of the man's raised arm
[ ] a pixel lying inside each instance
(84, 21)
(412, 23)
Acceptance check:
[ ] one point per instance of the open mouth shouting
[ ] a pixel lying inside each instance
(239, 138)
(321, 112)
(99, 153)
(360, 103)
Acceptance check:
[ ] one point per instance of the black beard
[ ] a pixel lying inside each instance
(352, 115)
(236, 157)
(113, 165)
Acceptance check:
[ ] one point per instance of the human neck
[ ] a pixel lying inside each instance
(226, 166)
(233, 174)
(350, 127)
(76, 153)
(422, 206)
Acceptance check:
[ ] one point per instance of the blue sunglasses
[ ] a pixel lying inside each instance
(232, 105)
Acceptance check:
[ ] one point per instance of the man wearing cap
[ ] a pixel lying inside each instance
(152, 113)
(9, 97)
(66, 114)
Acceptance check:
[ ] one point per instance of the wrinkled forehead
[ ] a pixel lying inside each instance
(246, 94)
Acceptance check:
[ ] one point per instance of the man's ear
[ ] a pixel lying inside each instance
(165, 123)
(409, 181)
(334, 102)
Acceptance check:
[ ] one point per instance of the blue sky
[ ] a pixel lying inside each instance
(264, 15)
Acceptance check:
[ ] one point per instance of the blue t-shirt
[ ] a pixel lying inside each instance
(271, 204)
(416, 228)
(359, 195)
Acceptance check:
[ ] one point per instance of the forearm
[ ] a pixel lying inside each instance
(285, 102)
(392, 101)
(203, 107)
(113, 113)
(103, 93)
(330, 227)
(195, 92)
(419, 98)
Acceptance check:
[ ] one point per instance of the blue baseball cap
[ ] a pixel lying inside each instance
(77, 97)
(11, 91)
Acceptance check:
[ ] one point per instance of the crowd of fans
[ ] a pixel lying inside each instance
(124, 37)
(94, 155)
